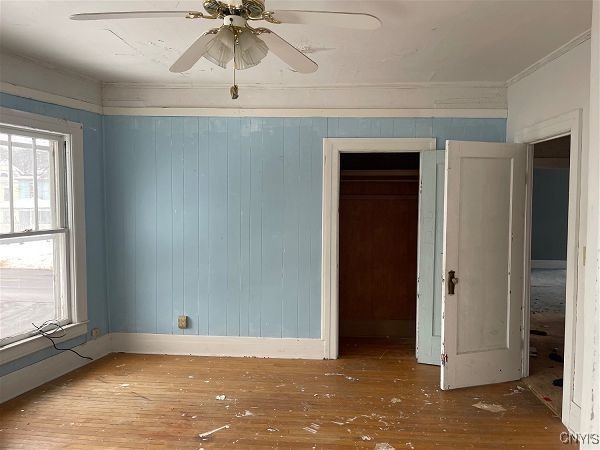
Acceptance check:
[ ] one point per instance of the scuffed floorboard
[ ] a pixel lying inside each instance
(376, 396)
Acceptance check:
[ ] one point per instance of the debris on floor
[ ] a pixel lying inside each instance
(208, 434)
(491, 407)
(341, 375)
(538, 332)
(383, 446)
(554, 356)
(220, 397)
(312, 428)
(558, 382)
(366, 438)
(245, 414)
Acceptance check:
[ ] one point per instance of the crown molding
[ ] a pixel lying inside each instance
(309, 112)
(55, 99)
(576, 41)
(392, 99)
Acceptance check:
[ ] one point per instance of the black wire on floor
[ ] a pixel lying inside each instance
(51, 329)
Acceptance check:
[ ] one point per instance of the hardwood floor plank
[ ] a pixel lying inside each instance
(374, 394)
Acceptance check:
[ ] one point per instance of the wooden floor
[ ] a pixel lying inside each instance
(542, 370)
(375, 396)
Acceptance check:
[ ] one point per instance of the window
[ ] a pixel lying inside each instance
(33, 244)
(42, 230)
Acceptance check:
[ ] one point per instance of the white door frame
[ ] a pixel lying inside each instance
(569, 123)
(332, 149)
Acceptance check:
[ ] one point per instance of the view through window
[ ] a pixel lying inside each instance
(33, 233)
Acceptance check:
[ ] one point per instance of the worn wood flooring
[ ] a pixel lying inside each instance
(375, 396)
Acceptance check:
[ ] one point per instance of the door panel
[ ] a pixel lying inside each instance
(484, 211)
(429, 312)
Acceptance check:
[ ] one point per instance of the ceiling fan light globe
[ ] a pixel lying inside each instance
(220, 49)
(250, 50)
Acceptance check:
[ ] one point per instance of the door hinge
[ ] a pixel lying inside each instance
(444, 358)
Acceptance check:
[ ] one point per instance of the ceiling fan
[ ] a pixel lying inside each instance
(236, 40)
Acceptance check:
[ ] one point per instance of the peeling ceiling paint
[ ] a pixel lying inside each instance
(420, 41)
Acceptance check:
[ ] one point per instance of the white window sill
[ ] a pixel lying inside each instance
(34, 344)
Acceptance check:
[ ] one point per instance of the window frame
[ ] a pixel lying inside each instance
(71, 133)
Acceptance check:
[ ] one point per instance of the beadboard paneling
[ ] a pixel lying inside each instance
(219, 218)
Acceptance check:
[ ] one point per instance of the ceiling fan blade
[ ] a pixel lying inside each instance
(138, 15)
(287, 52)
(355, 21)
(196, 51)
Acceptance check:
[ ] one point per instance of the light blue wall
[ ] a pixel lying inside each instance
(219, 219)
(94, 214)
(550, 214)
(215, 218)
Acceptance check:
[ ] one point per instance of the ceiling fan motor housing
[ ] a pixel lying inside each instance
(249, 9)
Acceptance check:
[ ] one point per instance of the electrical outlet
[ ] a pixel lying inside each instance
(95, 332)
(182, 322)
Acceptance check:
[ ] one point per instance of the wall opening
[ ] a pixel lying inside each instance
(378, 232)
(549, 231)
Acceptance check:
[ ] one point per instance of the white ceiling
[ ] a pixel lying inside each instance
(420, 41)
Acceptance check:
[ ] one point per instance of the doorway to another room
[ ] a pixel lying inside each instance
(548, 274)
(378, 240)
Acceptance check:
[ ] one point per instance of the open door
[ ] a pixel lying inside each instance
(429, 305)
(484, 224)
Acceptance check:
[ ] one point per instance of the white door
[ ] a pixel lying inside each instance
(484, 224)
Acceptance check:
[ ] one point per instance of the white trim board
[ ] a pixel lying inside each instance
(567, 123)
(26, 347)
(30, 377)
(34, 375)
(232, 346)
(577, 40)
(548, 264)
(308, 112)
(55, 99)
(332, 149)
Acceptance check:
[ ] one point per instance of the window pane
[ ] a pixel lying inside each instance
(23, 198)
(4, 186)
(31, 273)
(45, 186)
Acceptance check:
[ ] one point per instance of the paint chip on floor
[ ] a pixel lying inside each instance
(383, 446)
(312, 428)
(245, 414)
(220, 397)
(206, 435)
(347, 377)
(366, 438)
(491, 407)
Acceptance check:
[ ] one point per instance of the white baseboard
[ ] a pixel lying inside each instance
(34, 375)
(548, 264)
(176, 344)
(30, 377)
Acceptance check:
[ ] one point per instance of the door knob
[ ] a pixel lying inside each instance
(452, 282)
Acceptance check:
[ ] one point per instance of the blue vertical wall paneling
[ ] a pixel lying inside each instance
(215, 218)
(241, 224)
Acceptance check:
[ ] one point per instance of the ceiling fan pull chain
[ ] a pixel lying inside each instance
(234, 91)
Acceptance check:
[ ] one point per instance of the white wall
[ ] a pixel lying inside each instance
(561, 86)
